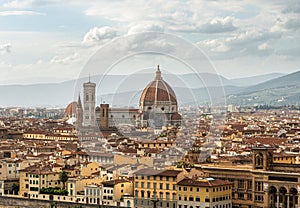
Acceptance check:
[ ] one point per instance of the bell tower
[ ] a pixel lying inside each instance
(89, 102)
(262, 158)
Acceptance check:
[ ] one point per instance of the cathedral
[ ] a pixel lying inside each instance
(158, 107)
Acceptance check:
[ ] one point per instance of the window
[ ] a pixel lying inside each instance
(174, 187)
(167, 186)
(167, 196)
(160, 195)
(148, 185)
(174, 196)
(160, 186)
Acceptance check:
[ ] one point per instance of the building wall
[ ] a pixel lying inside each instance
(161, 187)
(89, 102)
(122, 188)
(208, 196)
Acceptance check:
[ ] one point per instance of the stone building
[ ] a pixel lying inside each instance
(158, 104)
(262, 184)
(157, 107)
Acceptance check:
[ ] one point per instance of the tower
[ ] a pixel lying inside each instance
(79, 114)
(89, 103)
(104, 116)
(262, 158)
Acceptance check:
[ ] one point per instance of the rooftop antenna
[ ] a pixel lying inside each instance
(89, 77)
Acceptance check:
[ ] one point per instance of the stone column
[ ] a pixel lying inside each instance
(277, 199)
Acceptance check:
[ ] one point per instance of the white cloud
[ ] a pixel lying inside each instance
(97, 34)
(263, 46)
(214, 45)
(5, 48)
(18, 13)
(218, 25)
(66, 60)
(21, 4)
(145, 27)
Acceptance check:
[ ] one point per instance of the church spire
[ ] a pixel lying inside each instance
(79, 101)
(158, 73)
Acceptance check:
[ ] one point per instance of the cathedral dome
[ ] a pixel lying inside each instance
(158, 92)
(71, 109)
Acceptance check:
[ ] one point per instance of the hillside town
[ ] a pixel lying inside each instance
(154, 156)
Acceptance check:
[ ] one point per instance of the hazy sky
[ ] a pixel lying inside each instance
(52, 40)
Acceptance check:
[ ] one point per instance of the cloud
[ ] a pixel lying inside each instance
(5, 48)
(252, 42)
(97, 34)
(292, 7)
(214, 45)
(145, 27)
(66, 60)
(263, 46)
(292, 24)
(218, 25)
(20, 4)
(18, 13)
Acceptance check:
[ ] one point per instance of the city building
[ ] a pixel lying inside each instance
(196, 192)
(89, 104)
(158, 107)
(158, 104)
(154, 186)
(263, 183)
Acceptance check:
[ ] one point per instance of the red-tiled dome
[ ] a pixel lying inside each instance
(71, 109)
(158, 92)
(176, 117)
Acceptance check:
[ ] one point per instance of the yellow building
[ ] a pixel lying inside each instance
(160, 144)
(33, 178)
(263, 184)
(286, 158)
(90, 169)
(208, 192)
(150, 184)
(41, 135)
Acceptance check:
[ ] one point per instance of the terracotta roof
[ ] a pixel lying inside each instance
(157, 91)
(202, 182)
(171, 173)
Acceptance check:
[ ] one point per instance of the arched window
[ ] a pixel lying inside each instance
(128, 204)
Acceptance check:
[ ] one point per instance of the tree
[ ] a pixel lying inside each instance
(63, 177)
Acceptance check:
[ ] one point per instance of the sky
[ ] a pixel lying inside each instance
(54, 40)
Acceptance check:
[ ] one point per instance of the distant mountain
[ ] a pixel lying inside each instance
(292, 79)
(60, 94)
(284, 90)
(122, 90)
(249, 81)
(185, 96)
